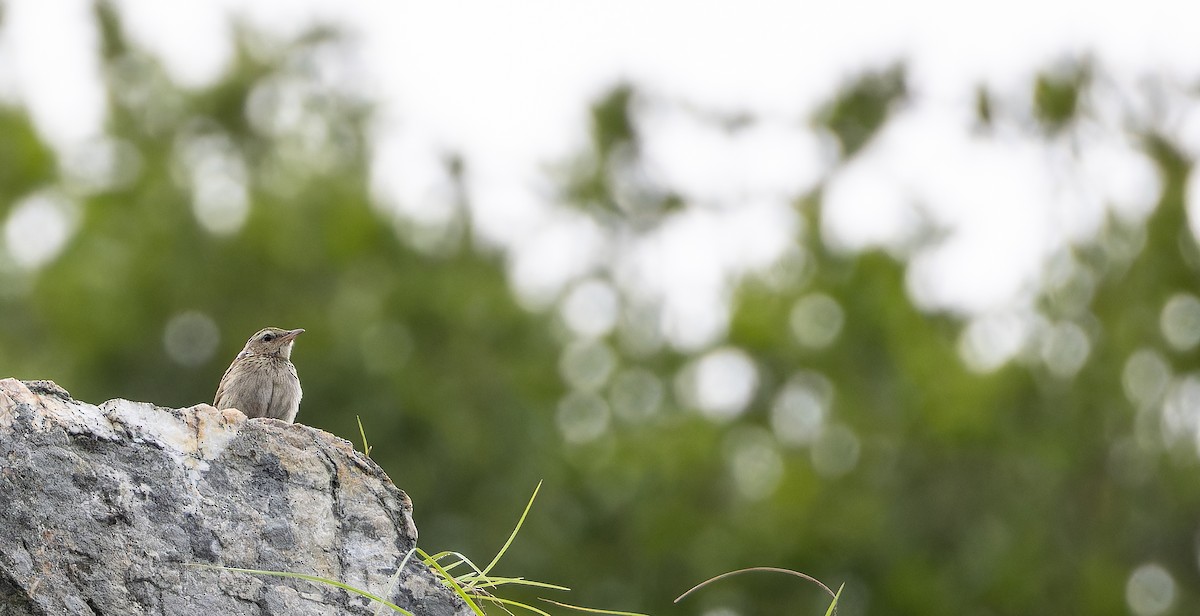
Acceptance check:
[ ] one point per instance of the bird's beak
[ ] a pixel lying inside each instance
(291, 335)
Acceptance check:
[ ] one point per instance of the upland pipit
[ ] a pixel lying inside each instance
(261, 381)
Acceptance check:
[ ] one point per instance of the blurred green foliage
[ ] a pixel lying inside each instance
(863, 106)
(1056, 94)
(1023, 491)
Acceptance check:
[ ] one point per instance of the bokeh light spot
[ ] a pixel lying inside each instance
(754, 462)
(799, 412)
(591, 309)
(817, 320)
(101, 164)
(719, 384)
(1181, 410)
(1065, 348)
(582, 417)
(586, 365)
(990, 341)
(275, 106)
(190, 338)
(636, 395)
(1150, 590)
(1145, 378)
(835, 452)
(37, 229)
(1180, 321)
(793, 270)
(211, 165)
(639, 334)
(220, 203)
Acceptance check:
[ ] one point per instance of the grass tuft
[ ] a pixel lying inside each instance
(477, 586)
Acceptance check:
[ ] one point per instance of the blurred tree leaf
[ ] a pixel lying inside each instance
(1056, 95)
(862, 107)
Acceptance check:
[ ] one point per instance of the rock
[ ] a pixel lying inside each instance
(103, 510)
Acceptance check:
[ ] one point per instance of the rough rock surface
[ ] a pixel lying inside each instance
(102, 508)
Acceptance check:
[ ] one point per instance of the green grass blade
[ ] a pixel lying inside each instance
(513, 536)
(493, 582)
(309, 578)
(461, 560)
(396, 576)
(710, 580)
(363, 433)
(592, 610)
(833, 606)
(439, 555)
(454, 565)
(458, 590)
(502, 602)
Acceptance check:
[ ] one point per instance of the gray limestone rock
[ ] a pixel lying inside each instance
(103, 510)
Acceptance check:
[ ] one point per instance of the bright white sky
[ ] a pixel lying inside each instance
(508, 85)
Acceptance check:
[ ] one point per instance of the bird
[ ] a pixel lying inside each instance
(261, 381)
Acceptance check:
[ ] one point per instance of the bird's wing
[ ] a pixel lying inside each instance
(243, 387)
(223, 384)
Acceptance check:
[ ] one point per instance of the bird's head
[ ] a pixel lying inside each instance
(272, 341)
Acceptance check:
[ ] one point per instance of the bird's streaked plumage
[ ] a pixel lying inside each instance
(261, 381)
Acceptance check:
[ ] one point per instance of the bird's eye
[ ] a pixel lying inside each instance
(267, 337)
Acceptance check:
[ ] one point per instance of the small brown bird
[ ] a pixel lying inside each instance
(261, 381)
